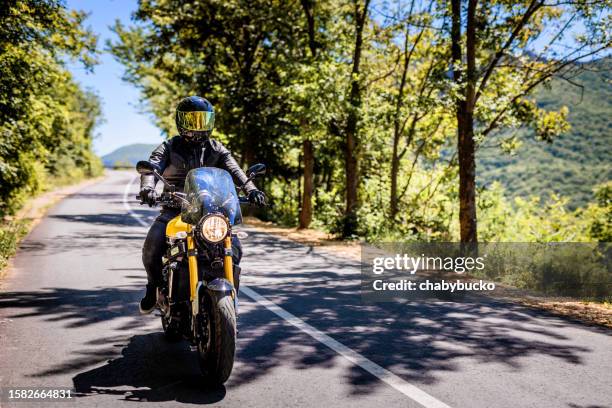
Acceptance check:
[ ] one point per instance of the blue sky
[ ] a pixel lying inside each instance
(124, 124)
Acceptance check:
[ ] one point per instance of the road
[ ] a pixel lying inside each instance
(68, 318)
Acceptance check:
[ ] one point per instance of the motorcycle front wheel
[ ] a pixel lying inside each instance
(216, 352)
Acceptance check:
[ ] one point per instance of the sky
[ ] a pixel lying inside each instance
(124, 124)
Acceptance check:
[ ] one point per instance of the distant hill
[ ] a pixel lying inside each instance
(575, 162)
(127, 156)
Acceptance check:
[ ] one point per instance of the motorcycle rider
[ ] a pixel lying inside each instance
(192, 148)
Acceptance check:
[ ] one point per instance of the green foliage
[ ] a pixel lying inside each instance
(280, 73)
(46, 119)
(579, 270)
(576, 161)
(10, 234)
(599, 214)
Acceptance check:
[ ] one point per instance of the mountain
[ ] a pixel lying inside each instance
(127, 156)
(574, 163)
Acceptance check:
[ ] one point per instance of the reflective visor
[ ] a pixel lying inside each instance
(196, 120)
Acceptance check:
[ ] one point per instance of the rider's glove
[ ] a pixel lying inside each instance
(148, 196)
(258, 198)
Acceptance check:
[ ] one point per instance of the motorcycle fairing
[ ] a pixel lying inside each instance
(210, 190)
(176, 225)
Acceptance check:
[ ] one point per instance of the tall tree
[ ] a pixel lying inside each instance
(501, 51)
(351, 129)
(308, 158)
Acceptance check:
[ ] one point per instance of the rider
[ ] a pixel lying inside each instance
(193, 148)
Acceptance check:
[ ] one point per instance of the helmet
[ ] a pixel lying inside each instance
(195, 118)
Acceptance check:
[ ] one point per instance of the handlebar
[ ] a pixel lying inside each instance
(172, 199)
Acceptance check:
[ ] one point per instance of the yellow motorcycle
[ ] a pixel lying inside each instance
(198, 296)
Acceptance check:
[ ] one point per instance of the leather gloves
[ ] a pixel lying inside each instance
(258, 198)
(148, 196)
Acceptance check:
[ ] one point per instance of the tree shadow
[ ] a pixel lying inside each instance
(90, 239)
(115, 219)
(160, 371)
(75, 307)
(148, 369)
(415, 340)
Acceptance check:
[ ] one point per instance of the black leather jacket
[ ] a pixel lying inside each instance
(177, 156)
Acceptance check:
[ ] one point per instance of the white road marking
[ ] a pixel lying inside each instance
(386, 376)
(126, 203)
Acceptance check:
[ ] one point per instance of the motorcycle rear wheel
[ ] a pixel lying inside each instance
(217, 354)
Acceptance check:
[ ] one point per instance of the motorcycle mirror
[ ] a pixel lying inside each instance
(256, 170)
(145, 167)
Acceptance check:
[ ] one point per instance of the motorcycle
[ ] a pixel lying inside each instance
(198, 295)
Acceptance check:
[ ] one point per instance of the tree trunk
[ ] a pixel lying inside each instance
(305, 216)
(393, 202)
(351, 167)
(306, 211)
(466, 148)
(467, 177)
(395, 159)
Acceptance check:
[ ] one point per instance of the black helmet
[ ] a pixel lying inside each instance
(195, 118)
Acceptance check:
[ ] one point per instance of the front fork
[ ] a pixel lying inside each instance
(228, 262)
(194, 283)
(193, 267)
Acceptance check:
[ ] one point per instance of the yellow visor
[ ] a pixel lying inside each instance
(196, 120)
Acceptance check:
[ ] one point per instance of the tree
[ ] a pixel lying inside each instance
(418, 116)
(233, 53)
(351, 129)
(497, 63)
(46, 120)
(308, 158)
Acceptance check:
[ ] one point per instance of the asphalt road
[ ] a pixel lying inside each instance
(68, 318)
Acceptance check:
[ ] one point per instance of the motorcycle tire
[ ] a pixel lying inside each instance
(217, 355)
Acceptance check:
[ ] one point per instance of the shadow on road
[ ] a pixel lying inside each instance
(90, 239)
(75, 307)
(116, 219)
(150, 369)
(415, 340)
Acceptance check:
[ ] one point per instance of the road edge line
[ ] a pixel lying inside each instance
(386, 376)
(127, 205)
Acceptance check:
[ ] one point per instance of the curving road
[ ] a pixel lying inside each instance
(68, 318)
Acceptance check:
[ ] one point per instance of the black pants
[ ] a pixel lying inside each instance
(155, 246)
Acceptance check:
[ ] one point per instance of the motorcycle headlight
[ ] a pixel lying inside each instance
(214, 228)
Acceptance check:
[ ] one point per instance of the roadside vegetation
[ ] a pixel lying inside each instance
(373, 115)
(576, 162)
(46, 118)
(387, 121)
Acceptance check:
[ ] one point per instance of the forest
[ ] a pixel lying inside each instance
(373, 116)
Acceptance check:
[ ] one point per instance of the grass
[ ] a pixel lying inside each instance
(11, 232)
